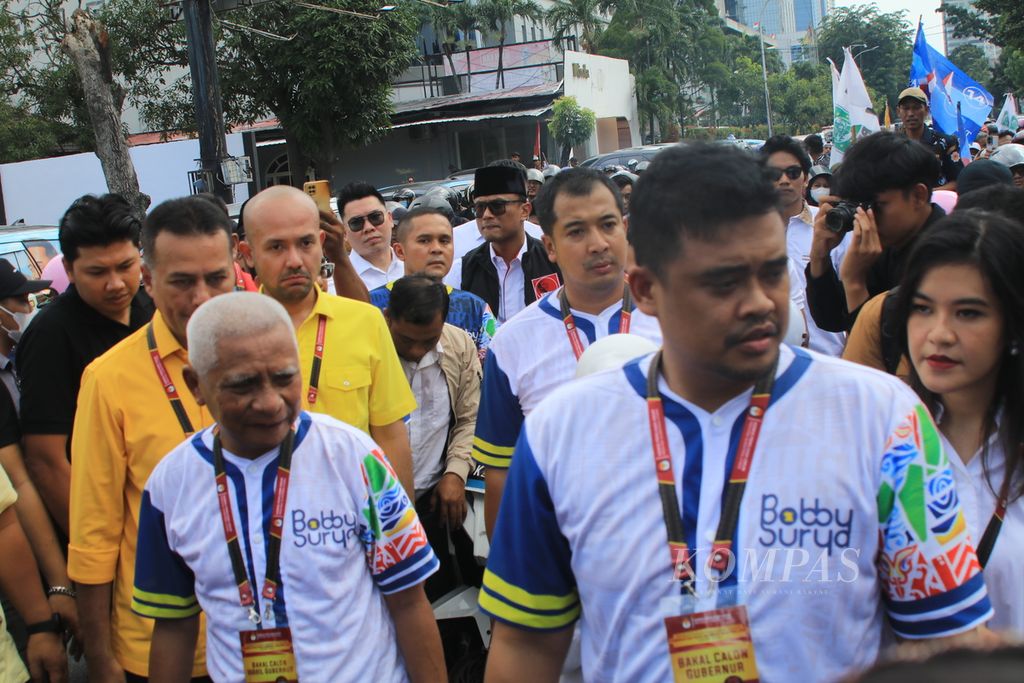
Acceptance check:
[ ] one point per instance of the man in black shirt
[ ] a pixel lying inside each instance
(912, 108)
(99, 237)
(891, 178)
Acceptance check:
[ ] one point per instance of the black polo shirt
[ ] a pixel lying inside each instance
(62, 340)
(9, 433)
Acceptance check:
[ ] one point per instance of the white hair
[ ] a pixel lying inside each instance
(238, 315)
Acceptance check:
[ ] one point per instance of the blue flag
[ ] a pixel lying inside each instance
(953, 94)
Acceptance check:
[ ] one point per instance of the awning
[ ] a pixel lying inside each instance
(533, 113)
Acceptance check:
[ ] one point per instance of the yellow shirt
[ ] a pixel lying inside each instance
(124, 426)
(361, 379)
(11, 668)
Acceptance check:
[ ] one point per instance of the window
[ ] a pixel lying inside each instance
(533, 32)
(524, 32)
(278, 172)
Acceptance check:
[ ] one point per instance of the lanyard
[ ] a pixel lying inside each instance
(318, 359)
(272, 576)
(165, 379)
(570, 324)
(995, 525)
(680, 555)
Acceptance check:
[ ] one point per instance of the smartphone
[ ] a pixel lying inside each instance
(320, 191)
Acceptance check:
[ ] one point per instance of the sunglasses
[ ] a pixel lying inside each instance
(376, 218)
(791, 172)
(497, 206)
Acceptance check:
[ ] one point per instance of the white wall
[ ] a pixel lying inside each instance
(604, 85)
(39, 191)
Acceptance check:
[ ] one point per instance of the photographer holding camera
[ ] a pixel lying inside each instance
(883, 196)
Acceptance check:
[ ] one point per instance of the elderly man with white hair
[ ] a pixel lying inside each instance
(316, 569)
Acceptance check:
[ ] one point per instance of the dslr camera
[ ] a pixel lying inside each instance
(839, 219)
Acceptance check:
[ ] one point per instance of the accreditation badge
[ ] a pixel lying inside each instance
(268, 657)
(712, 646)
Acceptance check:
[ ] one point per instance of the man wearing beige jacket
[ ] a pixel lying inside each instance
(443, 369)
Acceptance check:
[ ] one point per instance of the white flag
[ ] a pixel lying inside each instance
(1008, 114)
(853, 113)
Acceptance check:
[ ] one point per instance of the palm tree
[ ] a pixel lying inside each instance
(497, 14)
(467, 20)
(445, 23)
(566, 15)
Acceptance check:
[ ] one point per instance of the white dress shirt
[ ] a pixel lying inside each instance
(511, 281)
(372, 276)
(467, 236)
(428, 424)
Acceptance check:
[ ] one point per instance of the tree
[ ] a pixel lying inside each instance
(996, 20)
(972, 61)
(467, 20)
(1008, 74)
(445, 24)
(886, 40)
(566, 16)
(570, 125)
(496, 15)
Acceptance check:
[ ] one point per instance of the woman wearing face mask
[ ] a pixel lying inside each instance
(964, 312)
(818, 184)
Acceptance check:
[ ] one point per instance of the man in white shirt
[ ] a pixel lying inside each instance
(443, 369)
(510, 270)
(791, 500)
(581, 211)
(336, 593)
(368, 226)
(788, 162)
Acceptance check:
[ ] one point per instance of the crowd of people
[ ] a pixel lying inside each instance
(246, 450)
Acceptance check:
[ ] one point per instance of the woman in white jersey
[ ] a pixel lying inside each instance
(964, 310)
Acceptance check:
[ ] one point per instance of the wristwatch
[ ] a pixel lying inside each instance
(52, 625)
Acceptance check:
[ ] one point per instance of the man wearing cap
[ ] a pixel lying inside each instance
(16, 311)
(468, 235)
(912, 110)
(534, 181)
(511, 270)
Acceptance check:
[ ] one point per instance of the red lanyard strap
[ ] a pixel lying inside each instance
(995, 524)
(272, 576)
(679, 553)
(165, 379)
(318, 359)
(570, 324)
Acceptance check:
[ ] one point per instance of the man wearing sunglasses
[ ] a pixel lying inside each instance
(368, 225)
(789, 165)
(510, 270)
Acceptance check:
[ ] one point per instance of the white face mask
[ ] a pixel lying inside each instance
(21, 319)
(819, 193)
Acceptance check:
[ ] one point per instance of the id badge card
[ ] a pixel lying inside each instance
(268, 657)
(711, 645)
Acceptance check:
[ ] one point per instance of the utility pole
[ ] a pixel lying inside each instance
(202, 61)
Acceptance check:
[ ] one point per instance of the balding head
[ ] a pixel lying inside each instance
(283, 242)
(244, 365)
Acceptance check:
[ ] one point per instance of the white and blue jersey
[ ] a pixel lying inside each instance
(849, 518)
(529, 358)
(350, 537)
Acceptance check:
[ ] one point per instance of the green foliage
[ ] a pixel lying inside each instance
(566, 16)
(570, 124)
(885, 67)
(26, 135)
(1008, 74)
(999, 21)
(972, 61)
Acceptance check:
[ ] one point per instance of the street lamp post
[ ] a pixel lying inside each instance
(764, 67)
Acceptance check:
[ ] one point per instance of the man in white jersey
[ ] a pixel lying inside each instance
(838, 504)
(584, 234)
(315, 570)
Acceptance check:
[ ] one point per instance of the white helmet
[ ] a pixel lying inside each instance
(613, 351)
(1009, 155)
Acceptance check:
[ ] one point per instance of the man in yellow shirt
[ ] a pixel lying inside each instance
(133, 409)
(350, 369)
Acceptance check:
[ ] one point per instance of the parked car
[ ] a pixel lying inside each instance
(622, 157)
(29, 247)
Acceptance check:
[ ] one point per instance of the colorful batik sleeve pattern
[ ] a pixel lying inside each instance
(499, 418)
(927, 563)
(397, 550)
(488, 326)
(529, 581)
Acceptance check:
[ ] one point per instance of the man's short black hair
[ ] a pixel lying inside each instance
(784, 143)
(417, 299)
(814, 144)
(575, 182)
(881, 162)
(1004, 199)
(183, 217)
(405, 224)
(695, 191)
(355, 191)
(93, 221)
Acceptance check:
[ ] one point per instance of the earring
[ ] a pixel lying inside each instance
(1014, 348)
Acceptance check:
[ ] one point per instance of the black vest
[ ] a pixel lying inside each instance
(480, 277)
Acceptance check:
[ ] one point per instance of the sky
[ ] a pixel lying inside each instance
(914, 8)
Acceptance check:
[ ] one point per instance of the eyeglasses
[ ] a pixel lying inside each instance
(791, 172)
(497, 206)
(376, 218)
